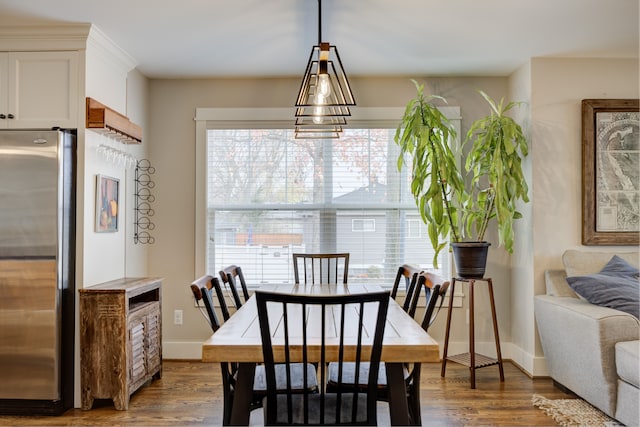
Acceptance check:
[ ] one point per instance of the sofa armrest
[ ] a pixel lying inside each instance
(578, 340)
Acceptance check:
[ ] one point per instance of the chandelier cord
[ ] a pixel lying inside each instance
(319, 22)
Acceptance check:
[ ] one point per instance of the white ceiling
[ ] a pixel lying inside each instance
(222, 38)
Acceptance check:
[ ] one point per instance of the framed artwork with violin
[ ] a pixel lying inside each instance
(107, 207)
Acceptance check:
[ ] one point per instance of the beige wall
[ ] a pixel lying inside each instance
(521, 274)
(557, 88)
(172, 135)
(136, 255)
(551, 93)
(550, 115)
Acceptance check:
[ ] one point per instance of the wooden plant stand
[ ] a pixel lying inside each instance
(472, 359)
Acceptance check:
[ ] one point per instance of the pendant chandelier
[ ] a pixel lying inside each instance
(325, 95)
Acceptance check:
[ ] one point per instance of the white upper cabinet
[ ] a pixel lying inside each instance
(38, 89)
(4, 88)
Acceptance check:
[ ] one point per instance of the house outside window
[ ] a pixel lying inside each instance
(414, 229)
(363, 225)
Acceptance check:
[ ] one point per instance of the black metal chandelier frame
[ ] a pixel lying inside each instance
(325, 94)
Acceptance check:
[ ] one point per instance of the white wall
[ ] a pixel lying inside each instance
(108, 78)
(106, 256)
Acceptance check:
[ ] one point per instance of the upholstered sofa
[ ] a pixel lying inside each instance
(592, 350)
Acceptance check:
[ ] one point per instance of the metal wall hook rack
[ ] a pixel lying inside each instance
(144, 198)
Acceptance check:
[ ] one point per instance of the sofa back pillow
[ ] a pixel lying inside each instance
(580, 263)
(616, 286)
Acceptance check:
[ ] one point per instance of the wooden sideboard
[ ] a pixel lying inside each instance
(120, 338)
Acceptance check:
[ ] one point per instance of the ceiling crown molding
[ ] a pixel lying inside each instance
(104, 46)
(44, 37)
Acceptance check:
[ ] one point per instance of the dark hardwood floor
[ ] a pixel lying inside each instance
(190, 393)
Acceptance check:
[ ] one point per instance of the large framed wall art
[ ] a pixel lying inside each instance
(610, 171)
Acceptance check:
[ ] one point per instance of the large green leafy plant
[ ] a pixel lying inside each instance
(436, 183)
(494, 161)
(497, 181)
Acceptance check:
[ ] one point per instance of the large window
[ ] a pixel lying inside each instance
(269, 195)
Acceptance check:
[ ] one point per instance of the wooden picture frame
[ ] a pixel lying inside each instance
(107, 206)
(610, 171)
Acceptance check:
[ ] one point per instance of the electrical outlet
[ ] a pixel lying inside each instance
(177, 317)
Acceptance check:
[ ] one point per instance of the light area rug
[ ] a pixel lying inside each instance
(573, 412)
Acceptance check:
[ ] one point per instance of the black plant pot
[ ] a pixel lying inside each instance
(470, 259)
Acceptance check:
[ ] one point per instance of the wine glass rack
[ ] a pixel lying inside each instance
(143, 199)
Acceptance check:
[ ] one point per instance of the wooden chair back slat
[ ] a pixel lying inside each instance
(232, 276)
(321, 268)
(408, 272)
(201, 289)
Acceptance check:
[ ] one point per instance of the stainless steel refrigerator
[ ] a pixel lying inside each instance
(37, 263)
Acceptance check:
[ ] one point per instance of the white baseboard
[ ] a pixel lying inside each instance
(182, 350)
(540, 368)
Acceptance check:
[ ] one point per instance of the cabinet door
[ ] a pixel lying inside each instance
(4, 89)
(43, 89)
(137, 352)
(154, 341)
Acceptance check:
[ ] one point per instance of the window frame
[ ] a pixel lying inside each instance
(274, 118)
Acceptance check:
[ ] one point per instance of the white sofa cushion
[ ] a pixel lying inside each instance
(627, 362)
(627, 408)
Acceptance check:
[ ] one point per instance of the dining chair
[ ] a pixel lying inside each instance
(283, 317)
(207, 310)
(320, 268)
(202, 289)
(230, 276)
(410, 275)
(436, 289)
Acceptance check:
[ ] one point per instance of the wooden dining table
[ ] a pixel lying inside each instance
(238, 341)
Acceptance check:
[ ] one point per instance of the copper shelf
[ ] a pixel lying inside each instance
(107, 121)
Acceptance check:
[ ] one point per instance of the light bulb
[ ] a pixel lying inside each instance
(318, 110)
(324, 85)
